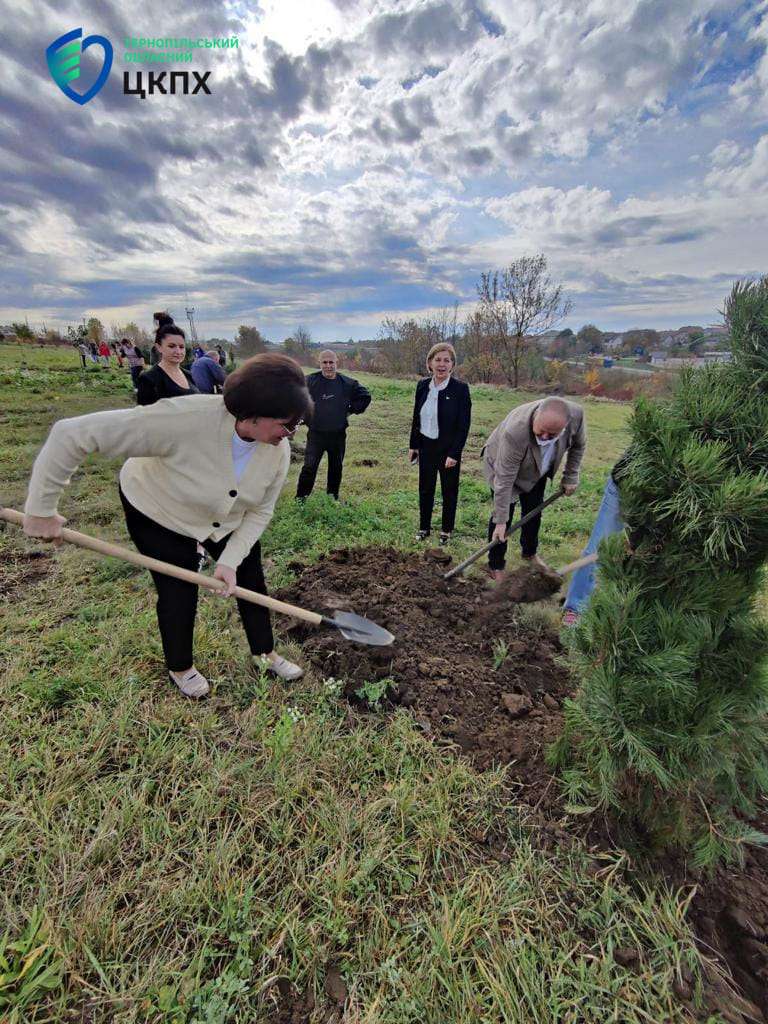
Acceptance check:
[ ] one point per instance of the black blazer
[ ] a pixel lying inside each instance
(454, 412)
(155, 384)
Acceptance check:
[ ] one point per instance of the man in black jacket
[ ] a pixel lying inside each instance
(335, 396)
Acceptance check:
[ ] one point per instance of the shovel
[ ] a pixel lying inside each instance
(351, 626)
(515, 526)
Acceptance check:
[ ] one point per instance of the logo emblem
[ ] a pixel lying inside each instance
(63, 58)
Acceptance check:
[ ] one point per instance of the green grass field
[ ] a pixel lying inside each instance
(175, 862)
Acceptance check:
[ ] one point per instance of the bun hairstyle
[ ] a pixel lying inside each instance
(165, 325)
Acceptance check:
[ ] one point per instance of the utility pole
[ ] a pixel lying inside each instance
(190, 310)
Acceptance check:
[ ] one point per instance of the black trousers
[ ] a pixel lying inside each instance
(431, 462)
(321, 442)
(177, 600)
(529, 534)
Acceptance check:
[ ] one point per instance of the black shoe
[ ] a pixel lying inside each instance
(202, 558)
(444, 538)
(422, 534)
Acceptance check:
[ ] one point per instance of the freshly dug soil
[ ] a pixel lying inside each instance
(475, 674)
(468, 670)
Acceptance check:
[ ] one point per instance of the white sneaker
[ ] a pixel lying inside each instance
(281, 667)
(191, 683)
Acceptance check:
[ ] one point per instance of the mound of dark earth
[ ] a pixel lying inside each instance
(477, 672)
(470, 671)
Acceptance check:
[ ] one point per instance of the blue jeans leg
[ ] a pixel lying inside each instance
(608, 521)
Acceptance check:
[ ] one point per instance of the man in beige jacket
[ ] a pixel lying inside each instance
(523, 452)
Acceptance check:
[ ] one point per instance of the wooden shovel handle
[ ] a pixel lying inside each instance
(103, 547)
(578, 564)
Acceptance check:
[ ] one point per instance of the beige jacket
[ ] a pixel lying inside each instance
(512, 458)
(179, 470)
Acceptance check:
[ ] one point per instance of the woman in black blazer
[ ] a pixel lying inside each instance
(167, 378)
(441, 417)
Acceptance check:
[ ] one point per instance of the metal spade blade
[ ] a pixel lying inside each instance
(361, 630)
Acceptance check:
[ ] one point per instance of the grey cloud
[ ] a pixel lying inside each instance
(435, 28)
(478, 156)
(626, 229)
(684, 236)
(408, 118)
(656, 230)
(476, 94)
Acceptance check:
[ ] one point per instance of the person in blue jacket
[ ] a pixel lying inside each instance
(335, 396)
(207, 373)
(441, 416)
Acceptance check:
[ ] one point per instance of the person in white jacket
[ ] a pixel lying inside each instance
(204, 469)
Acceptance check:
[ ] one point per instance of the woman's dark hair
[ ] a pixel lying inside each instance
(268, 385)
(165, 326)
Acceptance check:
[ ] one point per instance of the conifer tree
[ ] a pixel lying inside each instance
(670, 728)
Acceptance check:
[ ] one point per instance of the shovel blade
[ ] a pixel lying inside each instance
(362, 631)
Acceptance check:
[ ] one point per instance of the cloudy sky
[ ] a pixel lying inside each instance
(364, 158)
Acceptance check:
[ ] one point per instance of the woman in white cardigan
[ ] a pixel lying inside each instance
(205, 469)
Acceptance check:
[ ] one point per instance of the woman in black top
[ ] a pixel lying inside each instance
(167, 378)
(441, 417)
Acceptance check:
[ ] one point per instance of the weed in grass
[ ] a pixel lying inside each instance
(373, 693)
(29, 968)
(282, 736)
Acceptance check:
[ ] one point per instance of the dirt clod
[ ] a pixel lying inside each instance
(626, 956)
(516, 704)
(335, 986)
(528, 584)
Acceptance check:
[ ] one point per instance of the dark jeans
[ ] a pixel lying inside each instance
(136, 372)
(529, 534)
(431, 462)
(177, 600)
(320, 442)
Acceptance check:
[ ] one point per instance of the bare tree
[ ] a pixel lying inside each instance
(405, 343)
(520, 303)
(478, 348)
(302, 337)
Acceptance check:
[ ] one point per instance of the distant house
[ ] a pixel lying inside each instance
(708, 358)
(659, 358)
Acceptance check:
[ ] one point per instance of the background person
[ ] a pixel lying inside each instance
(82, 348)
(207, 374)
(135, 359)
(523, 452)
(235, 443)
(167, 378)
(335, 396)
(442, 413)
(607, 521)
